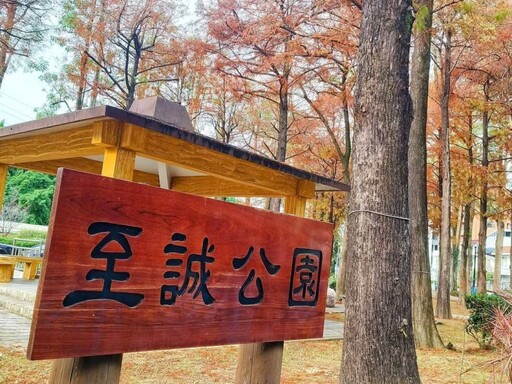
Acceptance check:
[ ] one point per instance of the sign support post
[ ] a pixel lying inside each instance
(119, 164)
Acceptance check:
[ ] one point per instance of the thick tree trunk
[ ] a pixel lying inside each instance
(443, 290)
(425, 331)
(379, 344)
(498, 252)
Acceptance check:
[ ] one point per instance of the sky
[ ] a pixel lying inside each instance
(20, 93)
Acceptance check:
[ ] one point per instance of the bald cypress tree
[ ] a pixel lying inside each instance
(379, 344)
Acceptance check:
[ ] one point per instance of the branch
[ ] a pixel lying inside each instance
(105, 69)
(447, 5)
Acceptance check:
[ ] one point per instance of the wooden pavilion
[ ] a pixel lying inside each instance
(154, 143)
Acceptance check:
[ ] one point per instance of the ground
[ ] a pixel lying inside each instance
(315, 362)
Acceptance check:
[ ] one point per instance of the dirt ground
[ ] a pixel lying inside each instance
(315, 361)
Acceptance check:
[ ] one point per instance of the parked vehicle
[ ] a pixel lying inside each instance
(5, 249)
(36, 250)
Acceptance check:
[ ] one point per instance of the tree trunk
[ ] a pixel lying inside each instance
(510, 257)
(456, 251)
(282, 138)
(341, 279)
(482, 233)
(5, 38)
(465, 254)
(498, 251)
(425, 331)
(379, 344)
(443, 290)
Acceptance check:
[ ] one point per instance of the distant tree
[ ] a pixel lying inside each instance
(12, 212)
(272, 48)
(82, 25)
(34, 194)
(139, 48)
(425, 331)
(22, 28)
(443, 290)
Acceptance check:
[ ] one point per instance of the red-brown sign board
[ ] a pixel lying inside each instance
(129, 267)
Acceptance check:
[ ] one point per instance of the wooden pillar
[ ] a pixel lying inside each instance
(261, 363)
(3, 181)
(117, 163)
(86, 370)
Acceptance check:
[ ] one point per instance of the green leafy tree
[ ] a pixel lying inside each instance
(22, 29)
(35, 194)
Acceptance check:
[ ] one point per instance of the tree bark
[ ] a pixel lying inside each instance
(425, 331)
(497, 255)
(379, 343)
(443, 290)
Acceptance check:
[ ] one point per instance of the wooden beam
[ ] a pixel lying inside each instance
(84, 165)
(216, 187)
(106, 133)
(50, 146)
(306, 189)
(175, 151)
(50, 167)
(3, 181)
(261, 362)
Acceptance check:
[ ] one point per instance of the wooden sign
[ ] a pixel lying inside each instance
(130, 267)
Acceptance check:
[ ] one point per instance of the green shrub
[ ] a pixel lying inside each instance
(19, 243)
(31, 234)
(332, 282)
(482, 308)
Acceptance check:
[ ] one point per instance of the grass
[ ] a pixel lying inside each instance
(315, 362)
